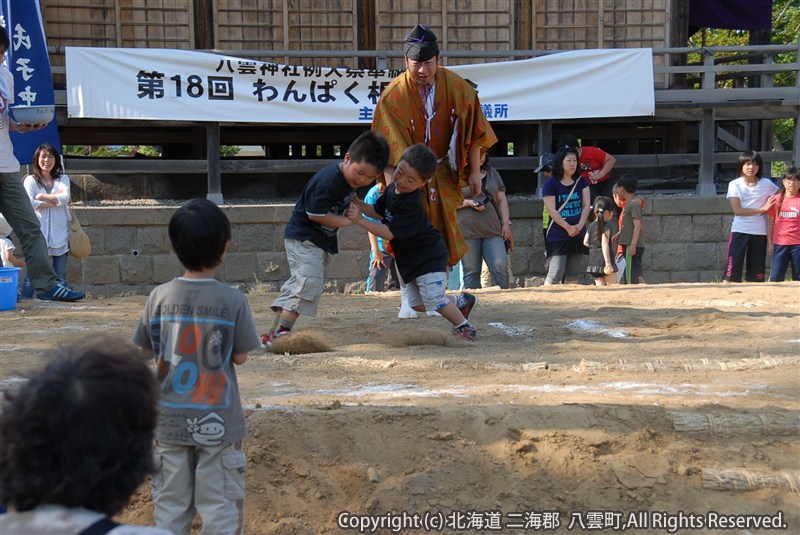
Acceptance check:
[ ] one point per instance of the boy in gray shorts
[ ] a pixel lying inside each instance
(418, 248)
(311, 234)
(197, 329)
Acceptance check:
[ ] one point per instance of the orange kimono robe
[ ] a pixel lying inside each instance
(400, 118)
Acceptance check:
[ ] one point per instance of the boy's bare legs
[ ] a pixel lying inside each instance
(450, 312)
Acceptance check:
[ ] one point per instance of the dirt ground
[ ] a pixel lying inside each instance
(576, 405)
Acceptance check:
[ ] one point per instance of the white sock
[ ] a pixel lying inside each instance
(406, 312)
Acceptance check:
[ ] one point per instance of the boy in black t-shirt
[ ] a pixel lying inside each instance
(310, 235)
(419, 249)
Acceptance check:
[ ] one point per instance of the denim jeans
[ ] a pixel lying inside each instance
(60, 268)
(782, 256)
(491, 250)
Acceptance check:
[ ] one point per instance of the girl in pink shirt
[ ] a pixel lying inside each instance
(784, 228)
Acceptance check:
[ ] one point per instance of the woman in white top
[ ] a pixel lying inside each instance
(49, 191)
(750, 198)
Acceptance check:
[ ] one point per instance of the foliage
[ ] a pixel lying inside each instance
(785, 30)
(115, 151)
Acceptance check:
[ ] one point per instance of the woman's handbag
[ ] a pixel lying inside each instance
(79, 244)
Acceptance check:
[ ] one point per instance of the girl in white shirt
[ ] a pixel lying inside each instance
(750, 197)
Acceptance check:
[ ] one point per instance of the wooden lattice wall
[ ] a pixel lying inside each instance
(461, 25)
(117, 23)
(576, 24)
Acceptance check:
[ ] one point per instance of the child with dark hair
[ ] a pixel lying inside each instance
(598, 240)
(750, 196)
(76, 440)
(783, 237)
(197, 329)
(631, 231)
(419, 249)
(311, 234)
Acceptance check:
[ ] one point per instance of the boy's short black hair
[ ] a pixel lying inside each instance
(79, 433)
(199, 231)
(371, 148)
(422, 159)
(567, 140)
(628, 182)
(750, 156)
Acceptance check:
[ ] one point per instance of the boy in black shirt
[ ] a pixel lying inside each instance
(419, 249)
(310, 235)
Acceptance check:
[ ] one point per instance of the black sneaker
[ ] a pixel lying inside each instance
(465, 332)
(471, 301)
(61, 292)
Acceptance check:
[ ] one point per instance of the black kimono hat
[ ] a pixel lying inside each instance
(421, 44)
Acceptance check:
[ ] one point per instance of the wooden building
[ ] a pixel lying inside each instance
(699, 126)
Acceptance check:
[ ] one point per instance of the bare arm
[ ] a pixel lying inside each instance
(10, 257)
(377, 254)
(736, 204)
(379, 229)
(608, 165)
(331, 220)
(14, 126)
(366, 209)
(239, 358)
(505, 218)
(637, 228)
(770, 230)
(586, 203)
(605, 246)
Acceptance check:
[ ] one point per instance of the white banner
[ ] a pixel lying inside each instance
(182, 85)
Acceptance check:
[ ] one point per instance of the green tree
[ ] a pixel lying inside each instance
(785, 30)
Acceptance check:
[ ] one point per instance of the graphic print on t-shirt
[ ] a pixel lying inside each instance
(198, 341)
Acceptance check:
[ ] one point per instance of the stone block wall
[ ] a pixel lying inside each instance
(686, 240)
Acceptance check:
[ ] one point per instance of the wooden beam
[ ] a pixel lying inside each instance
(123, 166)
(204, 24)
(213, 157)
(705, 186)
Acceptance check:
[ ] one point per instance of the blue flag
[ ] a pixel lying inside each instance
(28, 61)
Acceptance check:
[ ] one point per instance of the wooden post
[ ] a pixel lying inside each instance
(544, 145)
(708, 131)
(522, 25)
(796, 158)
(364, 20)
(213, 156)
(204, 24)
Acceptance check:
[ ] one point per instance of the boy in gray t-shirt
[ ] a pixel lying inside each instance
(197, 329)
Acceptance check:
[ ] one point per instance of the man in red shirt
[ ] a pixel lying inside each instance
(594, 163)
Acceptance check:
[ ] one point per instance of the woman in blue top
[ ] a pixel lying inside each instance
(567, 200)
